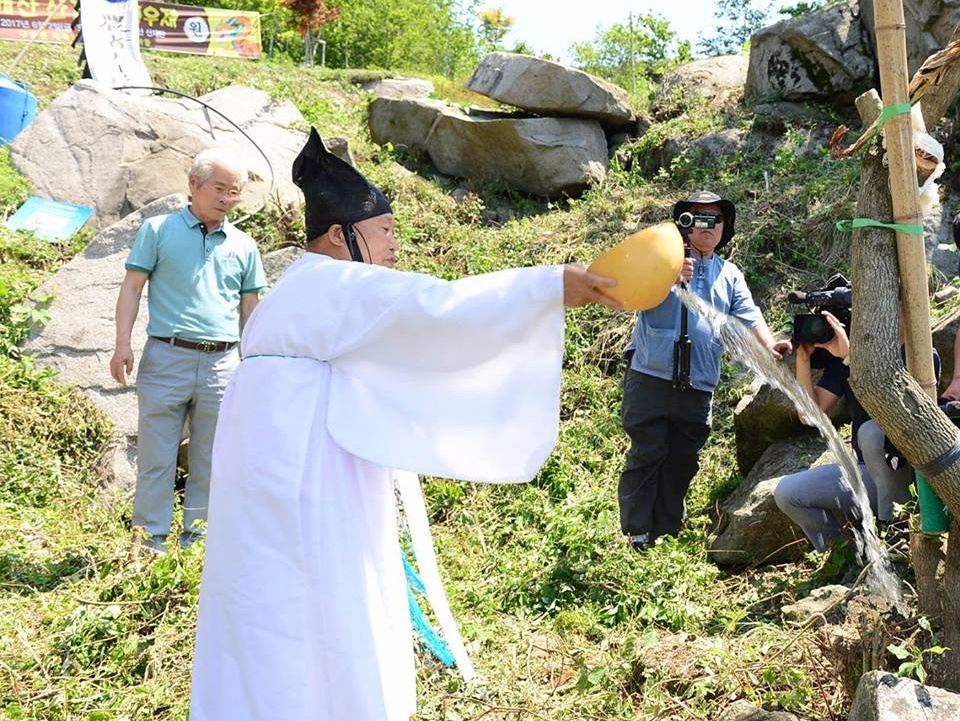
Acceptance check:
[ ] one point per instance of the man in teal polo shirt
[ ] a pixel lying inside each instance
(205, 276)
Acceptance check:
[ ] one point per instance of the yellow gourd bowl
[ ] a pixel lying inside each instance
(646, 264)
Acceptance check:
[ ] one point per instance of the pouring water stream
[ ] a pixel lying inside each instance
(738, 339)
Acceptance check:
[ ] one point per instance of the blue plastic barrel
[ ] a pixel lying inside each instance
(18, 108)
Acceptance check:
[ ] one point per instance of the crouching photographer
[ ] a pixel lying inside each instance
(818, 498)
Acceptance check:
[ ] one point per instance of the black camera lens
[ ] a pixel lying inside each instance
(811, 328)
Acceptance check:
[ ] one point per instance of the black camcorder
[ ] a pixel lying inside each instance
(690, 220)
(836, 297)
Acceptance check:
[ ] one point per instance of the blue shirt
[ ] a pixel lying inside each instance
(195, 279)
(721, 284)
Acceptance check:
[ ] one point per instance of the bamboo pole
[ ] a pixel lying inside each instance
(898, 131)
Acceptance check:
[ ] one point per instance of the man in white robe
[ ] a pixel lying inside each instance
(352, 370)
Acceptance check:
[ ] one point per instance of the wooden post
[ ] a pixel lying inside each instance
(898, 131)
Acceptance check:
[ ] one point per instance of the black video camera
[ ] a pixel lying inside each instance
(836, 297)
(689, 220)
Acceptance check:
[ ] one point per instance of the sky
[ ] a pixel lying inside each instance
(552, 26)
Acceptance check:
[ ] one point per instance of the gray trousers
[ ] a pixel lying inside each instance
(176, 386)
(667, 428)
(816, 499)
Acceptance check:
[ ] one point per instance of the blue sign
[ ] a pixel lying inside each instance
(51, 220)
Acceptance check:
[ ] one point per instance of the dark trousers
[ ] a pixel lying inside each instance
(667, 428)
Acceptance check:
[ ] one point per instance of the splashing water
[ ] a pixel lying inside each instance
(740, 340)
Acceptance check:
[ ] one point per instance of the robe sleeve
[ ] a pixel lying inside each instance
(455, 379)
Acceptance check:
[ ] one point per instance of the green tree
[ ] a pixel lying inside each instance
(310, 16)
(430, 36)
(801, 8)
(634, 55)
(494, 25)
(739, 19)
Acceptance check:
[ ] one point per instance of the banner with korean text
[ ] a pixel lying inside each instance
(162, 26)
(202, 31)
(40, 21)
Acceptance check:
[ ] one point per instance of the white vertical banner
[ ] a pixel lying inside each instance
(111, 41)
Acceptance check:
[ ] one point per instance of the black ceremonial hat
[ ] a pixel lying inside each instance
(333, 190)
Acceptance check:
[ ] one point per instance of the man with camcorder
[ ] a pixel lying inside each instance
(673, 365)
(816, 497)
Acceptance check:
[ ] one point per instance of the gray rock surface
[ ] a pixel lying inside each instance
(825, 56)
(930, 24)
(716, 80)
(813, 609)
(944, 333)
(548, 88)
(118, 152)
(763, 416)
(881, 696)
(404, 122)
(745, 711)
(751, 529)
(400, 88)
(540, 156)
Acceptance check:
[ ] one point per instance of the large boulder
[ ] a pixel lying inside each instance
(743, 710)
(540, 156)
(938, 237)
(763, 416)
(825, 56)
(751, 529)
(715, 80)
(118, 152)
(399, 87)
(930, 25)
(403, 122)
(881, 696)
(548, 88)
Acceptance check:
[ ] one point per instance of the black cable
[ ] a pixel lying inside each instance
(241, 130)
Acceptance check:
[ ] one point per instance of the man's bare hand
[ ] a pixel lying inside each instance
(581, 287)
(953, 390)
(781, 348)
(686, 270)
(121, 365)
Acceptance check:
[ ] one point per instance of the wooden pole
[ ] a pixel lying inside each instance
(898, 131)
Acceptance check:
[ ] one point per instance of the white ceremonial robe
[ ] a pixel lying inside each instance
(351, 371)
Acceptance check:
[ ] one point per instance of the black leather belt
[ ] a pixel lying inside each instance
(204, 346)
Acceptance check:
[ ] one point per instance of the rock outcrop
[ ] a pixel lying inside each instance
(881, 696)
(824, 56)
(751, 529)
(118, 152)
(540, 156)
(547, 88)
(555, 144)
(714, 80)
(930, 24)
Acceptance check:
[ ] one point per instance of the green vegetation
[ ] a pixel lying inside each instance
(633, 55)
(557, 611)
